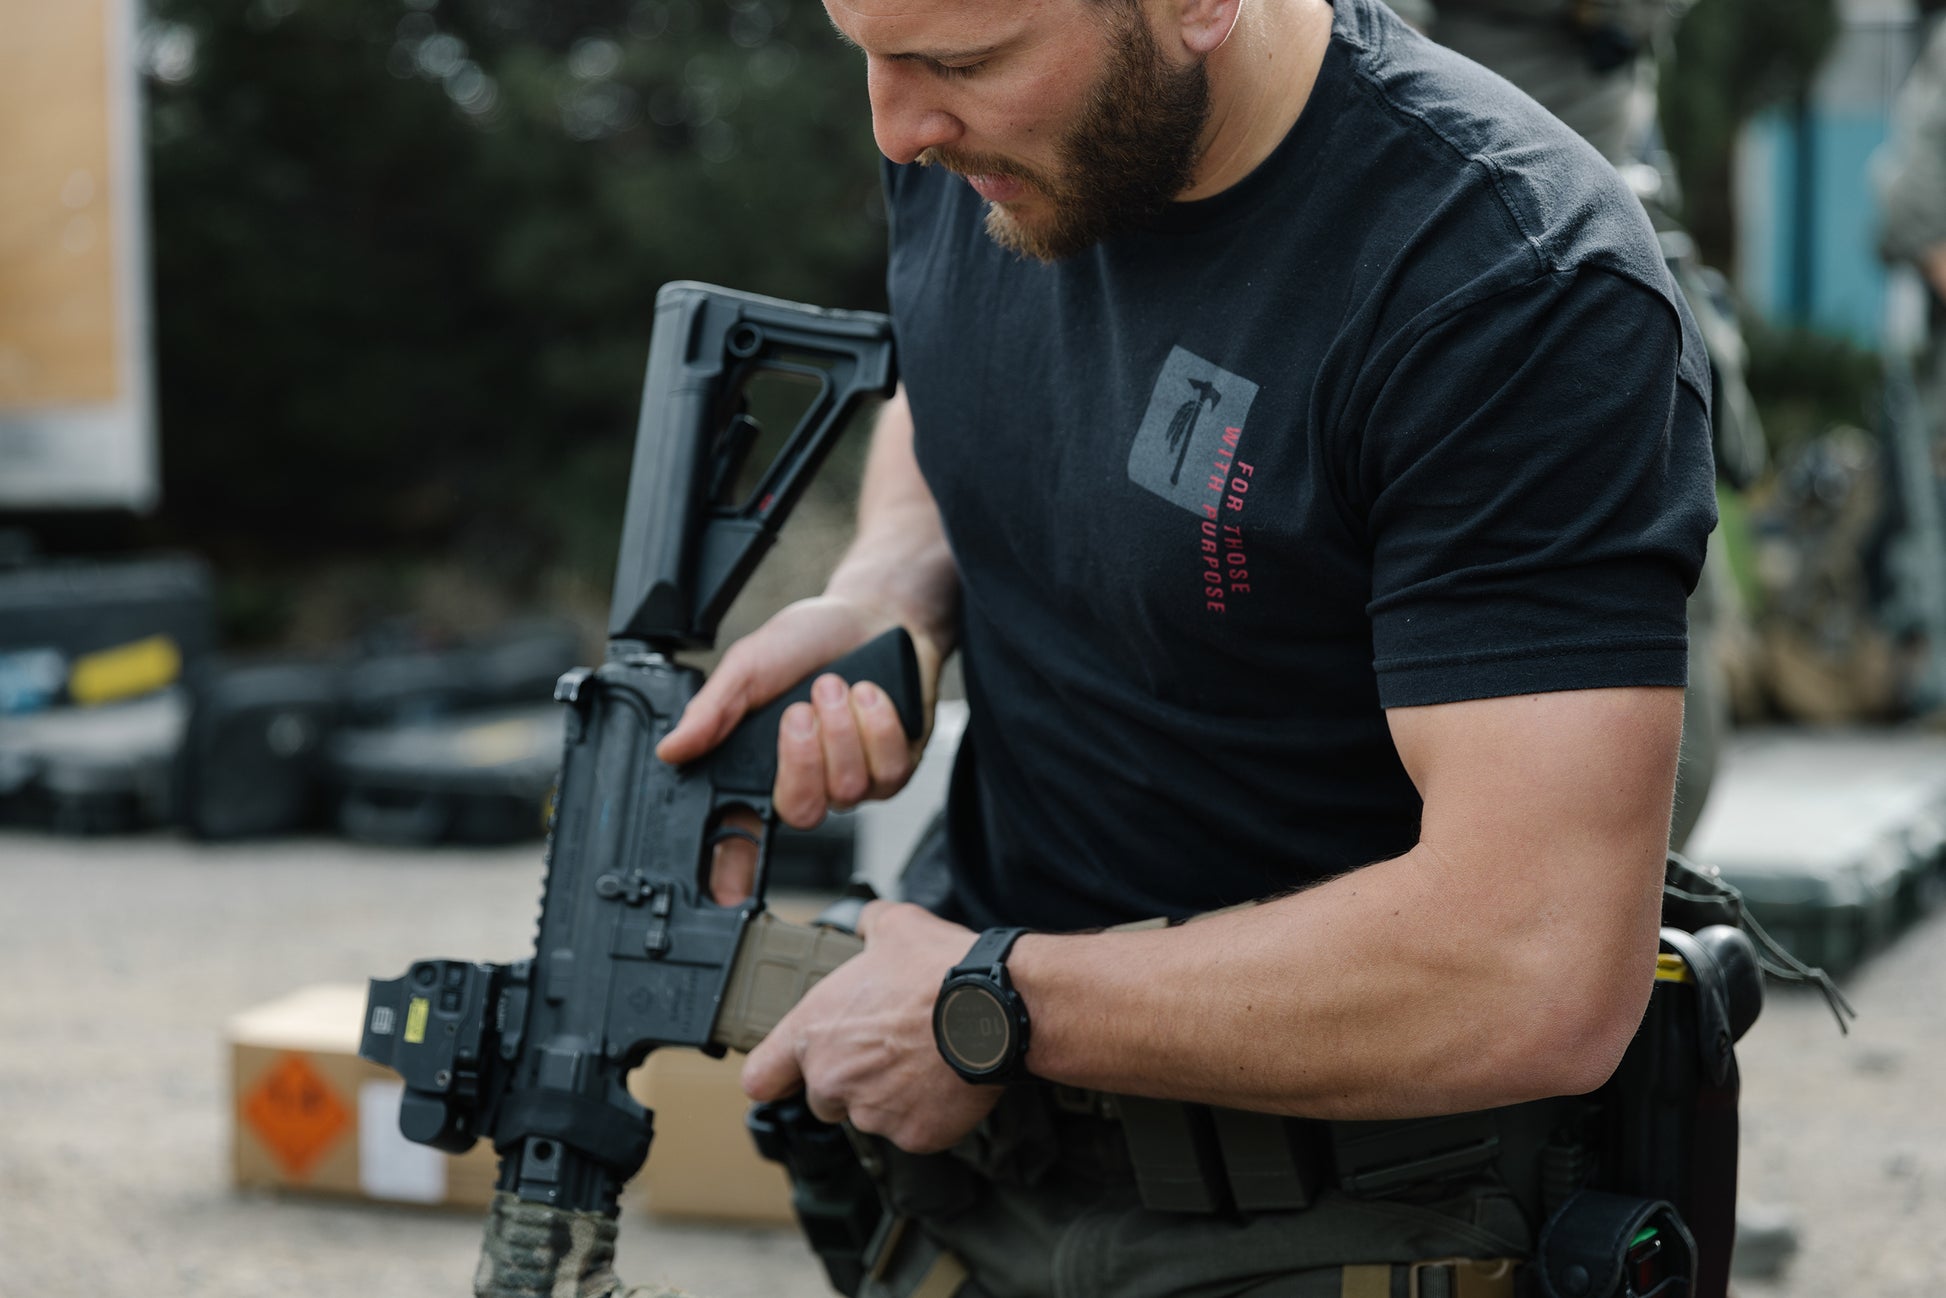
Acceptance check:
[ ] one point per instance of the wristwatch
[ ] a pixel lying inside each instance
(979, 1021)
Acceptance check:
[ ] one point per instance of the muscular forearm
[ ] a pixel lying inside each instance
(1357, 999)
(1506, 957)
(899, 560)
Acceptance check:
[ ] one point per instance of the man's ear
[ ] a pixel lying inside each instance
(1205, 24)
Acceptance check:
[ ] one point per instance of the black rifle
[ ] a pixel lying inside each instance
(631, 952)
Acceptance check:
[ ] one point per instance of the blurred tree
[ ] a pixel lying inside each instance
(1730, 60)
(1807, 383)
(405, 252)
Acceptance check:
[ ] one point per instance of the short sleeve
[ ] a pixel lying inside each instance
(1539, 494)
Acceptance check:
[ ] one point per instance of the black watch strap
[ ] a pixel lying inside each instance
(989, 951)
(979, 1021)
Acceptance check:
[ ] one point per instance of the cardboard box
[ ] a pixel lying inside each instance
(311, 1115)
(703, 1164)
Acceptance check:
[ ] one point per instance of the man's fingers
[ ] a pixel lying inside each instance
(763, 1080)
(888, 752)
(759, 667)
(846, 777)
(799, 795)
(709, 717)
(753, 671)
(871, 913)
(824, 1108)
(733, 862)
(771, 1073)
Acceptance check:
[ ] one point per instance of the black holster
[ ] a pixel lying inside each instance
(1669, 1114)
(834, 1196)
(1608, 1245)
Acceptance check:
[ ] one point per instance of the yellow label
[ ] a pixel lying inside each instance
(125, 671)
(415, 1020)
(1671, 969)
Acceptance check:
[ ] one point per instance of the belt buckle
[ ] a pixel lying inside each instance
(1473, 1277)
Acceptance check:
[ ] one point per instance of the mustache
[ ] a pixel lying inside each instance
(982, 164)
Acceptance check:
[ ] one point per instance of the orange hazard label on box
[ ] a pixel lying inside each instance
(295, 1113)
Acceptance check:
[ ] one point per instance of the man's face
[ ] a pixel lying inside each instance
(1067, 118)
(1131, 150)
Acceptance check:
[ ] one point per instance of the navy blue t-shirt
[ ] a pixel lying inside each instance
(1410, 415)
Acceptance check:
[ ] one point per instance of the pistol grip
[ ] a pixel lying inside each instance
(746, 762)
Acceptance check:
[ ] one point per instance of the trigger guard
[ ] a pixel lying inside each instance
(766, 817)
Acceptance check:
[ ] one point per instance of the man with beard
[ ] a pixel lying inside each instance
(1393, 649)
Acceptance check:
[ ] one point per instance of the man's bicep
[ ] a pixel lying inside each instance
(1558, 801)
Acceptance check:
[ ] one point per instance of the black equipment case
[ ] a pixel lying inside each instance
(100, 770)
(73, 608)
(397, 745)
(480, 776)
(252, 759)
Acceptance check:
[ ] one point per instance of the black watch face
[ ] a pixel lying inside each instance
(974, 1026)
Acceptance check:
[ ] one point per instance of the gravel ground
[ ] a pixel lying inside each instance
(1845, 1137)
(122, 959)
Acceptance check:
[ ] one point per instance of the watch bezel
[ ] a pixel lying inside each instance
(1005, 1000)
(985, 969)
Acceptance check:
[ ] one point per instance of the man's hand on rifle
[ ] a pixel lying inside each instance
(843, 747)
(860, 1043)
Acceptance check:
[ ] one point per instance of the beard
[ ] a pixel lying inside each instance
(1134, 148)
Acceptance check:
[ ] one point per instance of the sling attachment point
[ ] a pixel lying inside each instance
(1695, 897)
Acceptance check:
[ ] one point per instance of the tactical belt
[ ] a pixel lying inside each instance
(1190, 1158)
(904, 1262)
(1196, 1158)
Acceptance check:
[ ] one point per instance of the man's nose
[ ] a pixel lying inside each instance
(907, 118)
